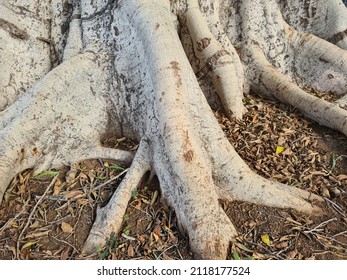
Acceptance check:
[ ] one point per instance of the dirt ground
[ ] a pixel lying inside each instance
(49, 216)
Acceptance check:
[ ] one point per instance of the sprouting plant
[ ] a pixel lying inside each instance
(110, 246)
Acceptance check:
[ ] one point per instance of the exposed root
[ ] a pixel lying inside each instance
(109, 219)
(74, 43)
(181, 141)
(318, 64)
(215, 60)
(270, 80)
(325, 19)
(60, 120)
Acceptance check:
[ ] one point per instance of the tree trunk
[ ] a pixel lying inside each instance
(77, 72)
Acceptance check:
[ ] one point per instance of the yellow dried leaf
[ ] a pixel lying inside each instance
(266, 239)
(154, 197)
(279, 149)
(28, 244)
(66, 227)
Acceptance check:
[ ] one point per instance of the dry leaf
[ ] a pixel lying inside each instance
(66, 227)
(37, 234)
(266, 239)
(325, 193)
(28, 244)
(57, 187)
(154, 197)
(291, 255)
(282, 245)
(279, 149)
(130, 251)
(65, 254)
(82, 201)
(74, 194)
(342, 177)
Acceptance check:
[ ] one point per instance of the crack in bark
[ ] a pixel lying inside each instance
(338, 37)
(13, 30)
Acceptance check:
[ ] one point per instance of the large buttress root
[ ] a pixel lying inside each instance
(60, 120)
(195, 164)
(24, 51)
(216, 61)
(325, 19)
(164, 107)
(279, 61)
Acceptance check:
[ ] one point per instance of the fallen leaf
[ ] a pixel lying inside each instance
(279, 149)
(82, 201)
(282, 245)
(66, 227)
(326, 193)
(130, 251)
(57, 187)
(157, 230)
(74, 194)
(154, 197)
(37, 234)
(291, 255)
(342, 177)
(266, 239)
(243, 247)
(28, 244)
(65, 254)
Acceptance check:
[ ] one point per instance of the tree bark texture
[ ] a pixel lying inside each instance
(75, 72)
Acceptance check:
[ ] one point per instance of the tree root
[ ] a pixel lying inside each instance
(280, 60)
(71, 128)
(215, 59)
(159, 95)
(325, 19)
(319, 110)
(109, 219)
(195, 164)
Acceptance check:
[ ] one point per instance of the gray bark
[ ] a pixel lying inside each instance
(76, 72)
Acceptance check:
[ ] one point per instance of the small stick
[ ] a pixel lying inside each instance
(111, 180)
(320, 225)
(67, 243)
(33, 212)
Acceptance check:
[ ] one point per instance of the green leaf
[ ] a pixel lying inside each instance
(279, 149)
(116, 166)
(236, 256)
(243, 247)
(134, 194)
(46, 173)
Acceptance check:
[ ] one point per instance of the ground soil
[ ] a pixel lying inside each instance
(274, 139)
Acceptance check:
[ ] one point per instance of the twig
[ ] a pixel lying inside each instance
(336, 207)
(340, 233)
(264, 248)
(67, 243)
(167, 249)
(317, 228)
(33, 212)
(331, 239)
(111, 180)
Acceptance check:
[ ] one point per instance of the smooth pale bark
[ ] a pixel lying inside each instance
(325, 19)
(150, 71)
